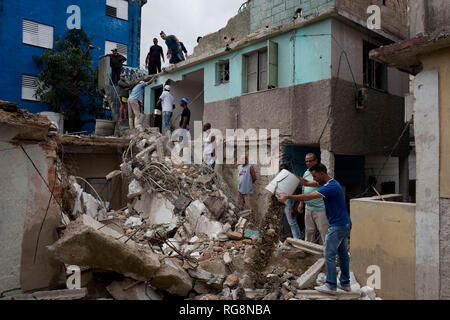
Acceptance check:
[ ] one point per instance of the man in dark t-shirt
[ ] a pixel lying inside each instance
(116, 61)
(185, 115)
(153, 60)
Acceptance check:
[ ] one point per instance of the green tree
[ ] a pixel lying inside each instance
(68, 80)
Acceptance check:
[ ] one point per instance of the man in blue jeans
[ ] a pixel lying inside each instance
(336, 240)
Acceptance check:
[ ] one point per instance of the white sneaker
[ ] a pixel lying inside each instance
(325, 289)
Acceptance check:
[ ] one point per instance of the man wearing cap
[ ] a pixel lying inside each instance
(116, 61)
(185, 115)
(135, 101)
(153, 61)
(168, 104)
(174, 49)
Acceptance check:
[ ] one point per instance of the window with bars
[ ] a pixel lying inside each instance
(117, 9)
(29, 87)
(223, 71)
(121, 48)
(37, 34)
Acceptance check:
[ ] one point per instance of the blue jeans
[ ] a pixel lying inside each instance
(295, 229)
(167, 115)
(336, 243)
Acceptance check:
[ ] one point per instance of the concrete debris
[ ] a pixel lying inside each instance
(113, 174)
(134, 189)
(306, 246)
(171, 277)
(85, 203)
(134, 222)
(87, 242)
(199, 218)
(232, 281)
(240, 225)
(72, 294)
(307, 279)
(200, 274)
(368, 292)
(227, 258)
(129, 289)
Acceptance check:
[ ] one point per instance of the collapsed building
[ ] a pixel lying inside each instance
(160, 229)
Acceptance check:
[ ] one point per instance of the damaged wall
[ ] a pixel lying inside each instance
(24, 202)
(426, 17)
(389, 244)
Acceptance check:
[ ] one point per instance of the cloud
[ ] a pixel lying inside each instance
(186, 19)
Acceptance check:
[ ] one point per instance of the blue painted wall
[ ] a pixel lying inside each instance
(16, 57)
(304, 55)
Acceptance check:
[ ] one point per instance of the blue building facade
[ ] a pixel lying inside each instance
(28, 27)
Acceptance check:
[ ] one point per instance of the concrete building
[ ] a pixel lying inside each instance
(303, 67)
(422, 266)
(27, 29)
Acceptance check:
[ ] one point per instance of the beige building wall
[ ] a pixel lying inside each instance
(441, 60)
(383, 235)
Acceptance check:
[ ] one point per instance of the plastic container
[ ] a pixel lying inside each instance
(56, 119)
(287, 183)
(104, 128)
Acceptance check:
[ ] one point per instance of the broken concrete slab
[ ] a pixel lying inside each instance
(129, 289)
(231, 281)
(200, 274)
(308, 278)
(227, 258)
(181, 204)
(134, 189)
(255, 294)
(216, 206)
(240, 225)
(113, 174)
(199, 218)
(297, 243)
(75, 294)
(171, 277)
(87, 242)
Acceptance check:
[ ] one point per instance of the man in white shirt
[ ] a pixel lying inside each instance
(168, 104)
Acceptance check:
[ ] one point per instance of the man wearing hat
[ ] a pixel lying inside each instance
(168, 104)
(116, 61)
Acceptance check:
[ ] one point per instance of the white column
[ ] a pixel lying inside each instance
(327, 158)
(426, 127)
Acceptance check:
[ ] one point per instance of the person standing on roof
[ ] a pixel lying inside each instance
(184, 50)
(174, 49)
(168, 104)
(153, 60)
(116, 61)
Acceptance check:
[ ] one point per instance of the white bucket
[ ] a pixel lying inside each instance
(56, 119)
(287, 183)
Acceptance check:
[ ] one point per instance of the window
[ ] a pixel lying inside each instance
(256, 71)
(261, 69)
(37, 34)
(117, 9)
(29, 87)
(375, 74)
(223, 71)
(121, 48)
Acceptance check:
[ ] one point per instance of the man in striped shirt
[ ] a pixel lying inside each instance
(315, 215)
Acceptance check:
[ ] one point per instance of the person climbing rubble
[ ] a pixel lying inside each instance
(124, 93)
(135, 101)
(340, 225)
(246, 179)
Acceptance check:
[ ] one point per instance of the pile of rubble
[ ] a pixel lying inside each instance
(181, 235)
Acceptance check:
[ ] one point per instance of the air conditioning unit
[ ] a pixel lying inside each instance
(362, 99)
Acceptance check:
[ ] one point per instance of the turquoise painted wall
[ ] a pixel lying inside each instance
(311, 62)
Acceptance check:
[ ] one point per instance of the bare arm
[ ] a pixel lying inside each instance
(308, 183)
(159, 102)
(185, 119)
(301, 197)
(253, 173)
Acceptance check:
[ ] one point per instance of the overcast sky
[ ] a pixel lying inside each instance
(186, 19)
